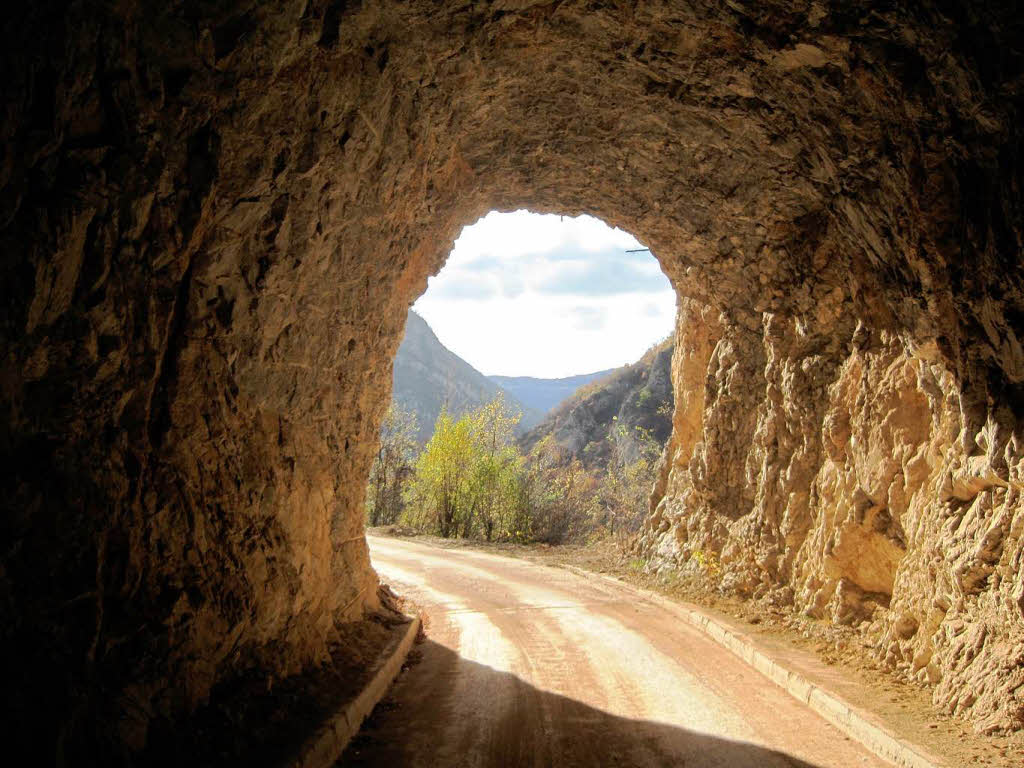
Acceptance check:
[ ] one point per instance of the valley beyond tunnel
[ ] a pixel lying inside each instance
(215, 216)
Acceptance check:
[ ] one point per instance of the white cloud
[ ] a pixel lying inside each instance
(543, 295)
(588, 319)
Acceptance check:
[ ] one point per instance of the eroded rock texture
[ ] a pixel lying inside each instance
(215, 215)
(853, 480)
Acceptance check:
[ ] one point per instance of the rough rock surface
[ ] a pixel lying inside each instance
(848, 480)
(216, 214)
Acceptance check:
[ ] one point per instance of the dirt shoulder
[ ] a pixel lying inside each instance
(836, 658)
(256, 721)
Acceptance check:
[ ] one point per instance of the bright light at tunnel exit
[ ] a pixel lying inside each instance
(528, 294)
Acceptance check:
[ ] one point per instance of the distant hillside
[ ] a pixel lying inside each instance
(634, 395)
(544, 394)
(427, 375)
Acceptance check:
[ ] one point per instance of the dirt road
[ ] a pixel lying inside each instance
(532, 666)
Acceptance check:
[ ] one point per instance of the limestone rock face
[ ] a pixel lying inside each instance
(216, 215)
(855, 481)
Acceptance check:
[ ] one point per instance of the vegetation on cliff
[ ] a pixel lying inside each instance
(608, 420)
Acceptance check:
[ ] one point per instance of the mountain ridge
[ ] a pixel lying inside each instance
(544, 394)
(611, 409)
(578, 410)
(428, 376)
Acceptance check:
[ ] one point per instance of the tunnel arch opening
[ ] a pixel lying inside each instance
(525, 293)
(579, 317)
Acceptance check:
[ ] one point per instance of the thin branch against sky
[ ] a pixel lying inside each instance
(544, 295)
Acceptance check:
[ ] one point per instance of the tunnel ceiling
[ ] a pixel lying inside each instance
(216, 215)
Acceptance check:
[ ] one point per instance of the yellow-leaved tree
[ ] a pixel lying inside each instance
(467, 478)
(440, 489)
(495, 472)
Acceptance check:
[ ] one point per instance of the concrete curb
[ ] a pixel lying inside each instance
(323, 749)
(855, 722)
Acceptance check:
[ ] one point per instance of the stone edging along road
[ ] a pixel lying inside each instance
(324, 748)
(851, 720)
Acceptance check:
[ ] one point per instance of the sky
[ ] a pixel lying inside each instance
(527, 294)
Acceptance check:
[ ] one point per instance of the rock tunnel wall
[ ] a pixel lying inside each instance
(855, 481)
(215, 215)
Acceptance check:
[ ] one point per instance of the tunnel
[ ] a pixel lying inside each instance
(216, 215)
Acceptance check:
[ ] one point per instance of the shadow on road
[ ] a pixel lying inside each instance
(448, 711)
